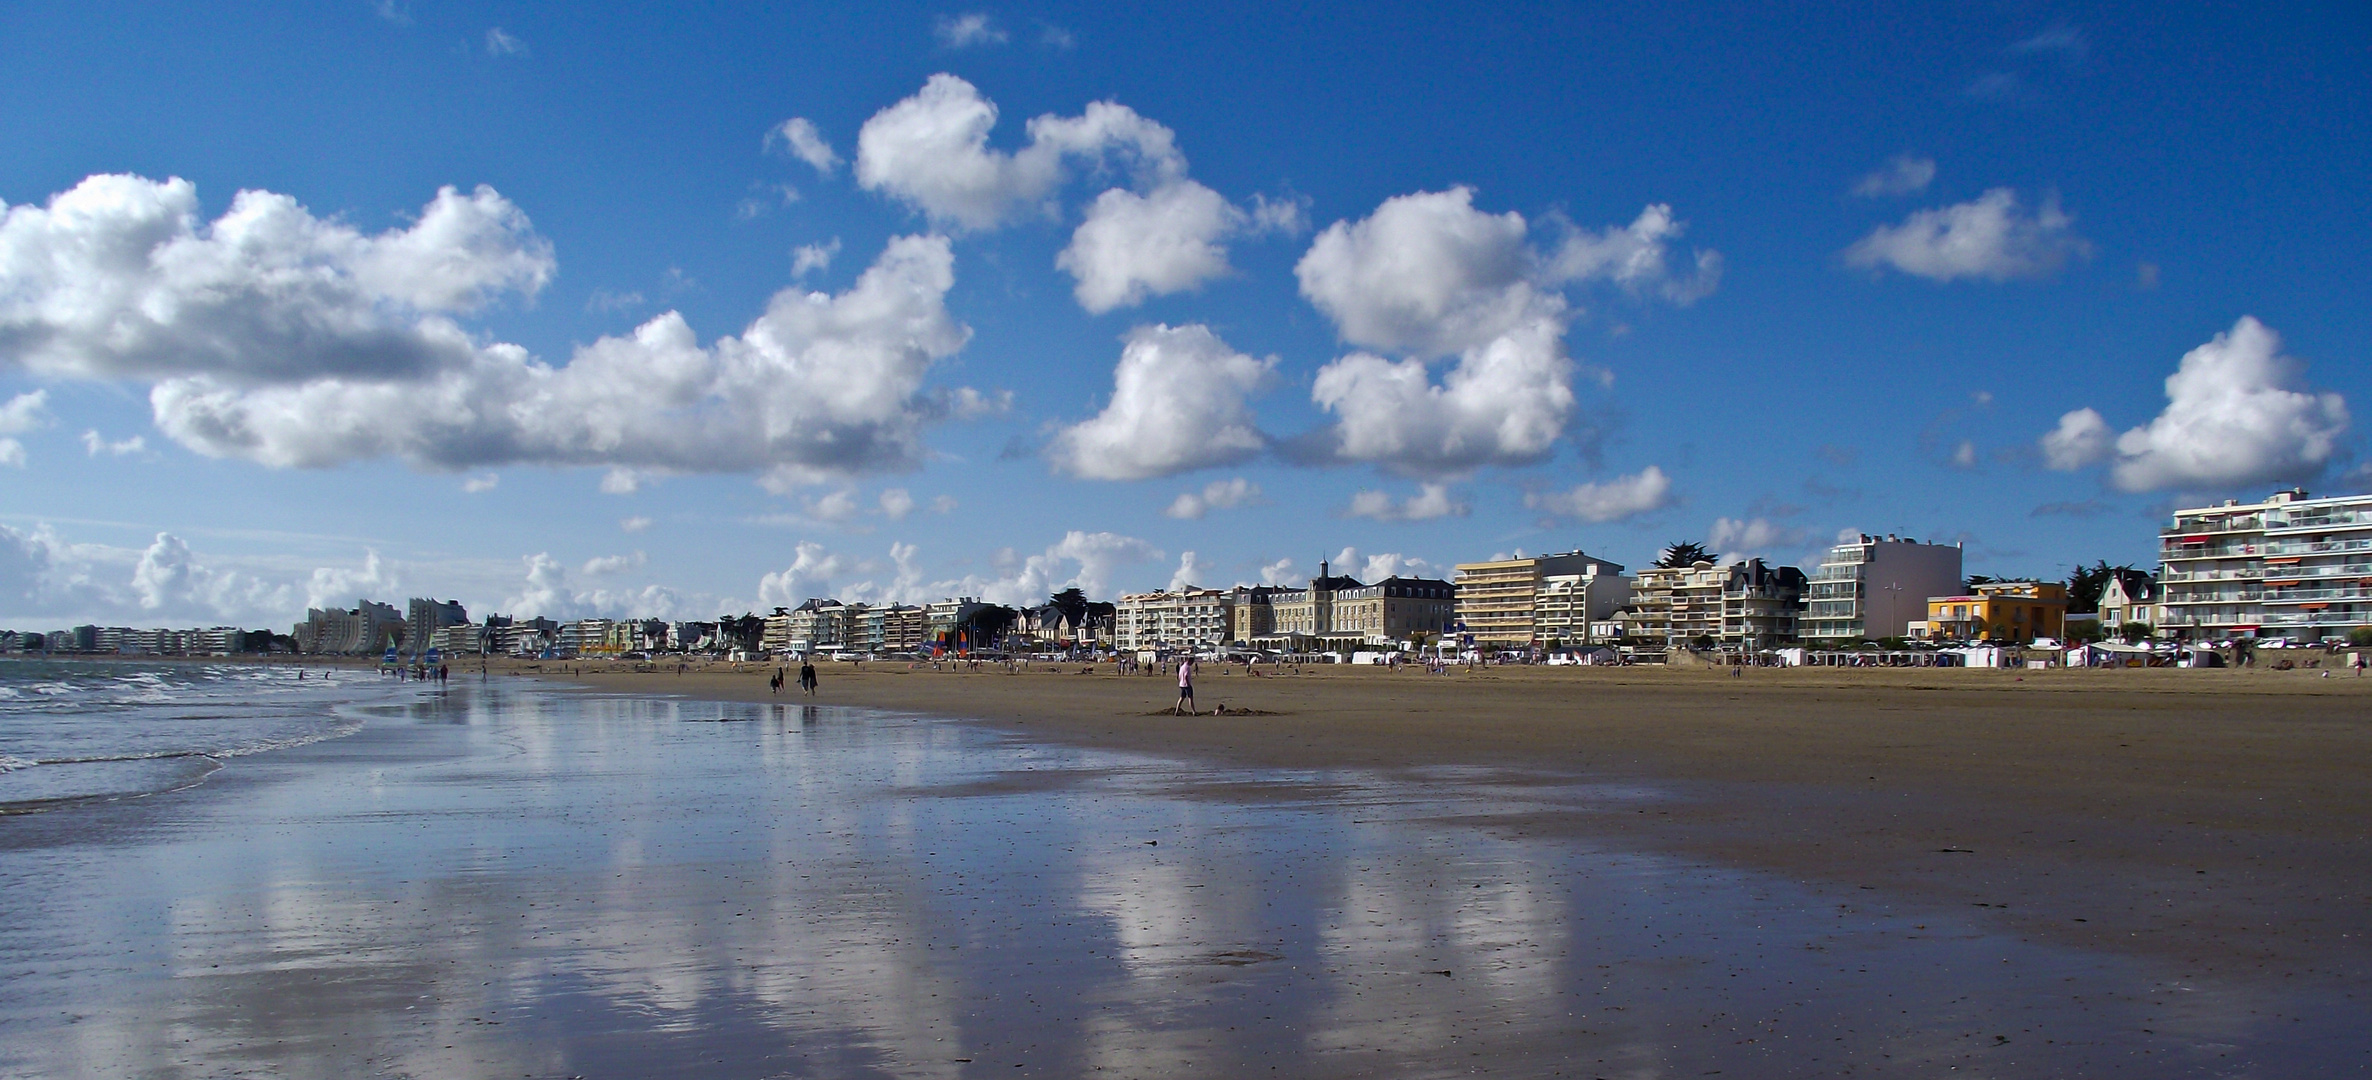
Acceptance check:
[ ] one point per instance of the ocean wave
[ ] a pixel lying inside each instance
(9, 763)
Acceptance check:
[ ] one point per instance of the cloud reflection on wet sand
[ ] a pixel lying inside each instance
(585, 884)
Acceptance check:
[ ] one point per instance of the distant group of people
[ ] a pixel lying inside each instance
(775, 683)
(418, 672)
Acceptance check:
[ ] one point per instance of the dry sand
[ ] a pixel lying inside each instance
(2214, 818)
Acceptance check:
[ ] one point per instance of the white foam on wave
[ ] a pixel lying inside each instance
(10, 764)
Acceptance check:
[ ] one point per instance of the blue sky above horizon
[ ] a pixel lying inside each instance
(1220, 293)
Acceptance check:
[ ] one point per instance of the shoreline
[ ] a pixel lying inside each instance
(2213, 818)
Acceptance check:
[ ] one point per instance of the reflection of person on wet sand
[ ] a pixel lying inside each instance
(1185, 687)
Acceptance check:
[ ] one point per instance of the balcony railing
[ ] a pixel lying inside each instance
(2243, 596)
(2287, 573)
(2246, 573)
(2314, 618)
(2299, 596)
(2226, 551)
(2301, 547)
(2195, 525)
(2320, 520)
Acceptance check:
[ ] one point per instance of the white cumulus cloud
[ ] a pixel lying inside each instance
(931, 152)
(1609, 500)
(2238, 413)
(1503, 403)
(809, 258)
(1901, 175)
(1180, 401)
(1431, 501)
(2083, 438)
(1192, 573)
(292, 341)
(119, 279)
(1733, 539)
(546, 591)
(1991, 237)
(800, 138)
(896, 503)
(1165, 241)
(22, 414)
(1429, 275)
(1087, 560)
(614, 564)
(968, 30)
(1216, 495)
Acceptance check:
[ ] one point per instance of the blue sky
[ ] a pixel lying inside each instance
(1426, 284)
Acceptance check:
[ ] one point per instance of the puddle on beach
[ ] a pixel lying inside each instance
(575, 884)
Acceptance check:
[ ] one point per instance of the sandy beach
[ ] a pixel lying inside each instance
(567, 871)
(2220, 818)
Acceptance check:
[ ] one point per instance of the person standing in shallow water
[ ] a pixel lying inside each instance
(1185, 686)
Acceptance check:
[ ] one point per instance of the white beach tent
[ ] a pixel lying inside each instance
(2109, 654)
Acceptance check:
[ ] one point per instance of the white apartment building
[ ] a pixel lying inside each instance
(1565, 604)
(1186, 619)
(2291, 566)
(1877, 587)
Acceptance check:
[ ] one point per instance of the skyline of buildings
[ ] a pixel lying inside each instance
(2290, 566)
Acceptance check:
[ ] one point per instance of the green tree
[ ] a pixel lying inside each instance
(1072, 603)
(1684, 554)
(2086, 584)
(2361, 635)
(2136, 632)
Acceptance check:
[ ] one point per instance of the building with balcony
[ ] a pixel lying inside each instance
(2291, 566)
(365, 629)
(1874, 587)
(1183, 619)
(1761, 606)
(1565, 606)
(2011, 612)
(1498, 602)
(1745, 605)
(427, 616)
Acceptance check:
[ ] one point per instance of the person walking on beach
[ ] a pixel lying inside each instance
(774, 682)
(807, 677)
(1185, 686)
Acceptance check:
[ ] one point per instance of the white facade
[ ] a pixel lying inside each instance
(2291, 566)
(1564, 605)
(1187, 619)
(1877, 587)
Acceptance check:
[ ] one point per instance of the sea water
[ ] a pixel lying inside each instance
(73, 730)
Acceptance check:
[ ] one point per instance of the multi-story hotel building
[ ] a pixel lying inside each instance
(1338, 611)
(1250, 613)
(2290, 566)
(1186, 619)
(1498, 601)
(1878, 587)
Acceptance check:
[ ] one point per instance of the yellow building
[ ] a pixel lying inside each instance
(2007, 611)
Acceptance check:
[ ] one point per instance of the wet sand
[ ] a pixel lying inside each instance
(2218, 819)
(1520, 872)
